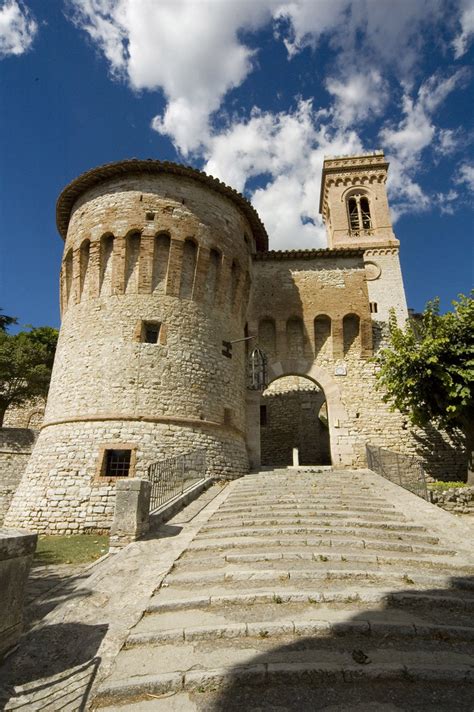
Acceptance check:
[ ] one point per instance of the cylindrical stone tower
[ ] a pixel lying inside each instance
(156, 275)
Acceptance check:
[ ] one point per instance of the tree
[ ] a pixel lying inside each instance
(26, 361)
(6, 321)
(427, 369)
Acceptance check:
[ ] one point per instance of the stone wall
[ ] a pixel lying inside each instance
(142, 250)
(457, 500)
(28, 415)
(336, 354)
(16, 445)
(290, 418)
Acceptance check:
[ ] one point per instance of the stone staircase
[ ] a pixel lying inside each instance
(303, 591)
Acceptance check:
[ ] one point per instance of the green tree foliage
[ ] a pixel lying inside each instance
(26, 361)
(6, 321)
(427, 370)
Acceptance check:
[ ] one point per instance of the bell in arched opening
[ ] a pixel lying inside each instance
(257, 370)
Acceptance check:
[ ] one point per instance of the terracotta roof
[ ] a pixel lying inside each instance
(309, 254)
(95, 176)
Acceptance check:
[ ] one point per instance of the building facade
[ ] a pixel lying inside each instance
(167, 285)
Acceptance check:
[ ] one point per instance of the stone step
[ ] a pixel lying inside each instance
(458, 601)
(194, 560)
(151, 635)
(250, 671)
(328, 531)
(252, 577)
(326, 520)
(292, 514)
(335, 542)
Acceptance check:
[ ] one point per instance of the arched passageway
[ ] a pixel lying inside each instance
(293, 413)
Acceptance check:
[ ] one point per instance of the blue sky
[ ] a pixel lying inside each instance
(255, 93)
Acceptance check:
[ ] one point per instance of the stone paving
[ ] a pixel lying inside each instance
(280, 591)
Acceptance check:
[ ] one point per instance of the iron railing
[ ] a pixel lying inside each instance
(172, 476)
(403, 470)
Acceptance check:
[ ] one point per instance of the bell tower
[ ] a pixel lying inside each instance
(354, 206)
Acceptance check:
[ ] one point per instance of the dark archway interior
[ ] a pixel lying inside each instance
(293, 413)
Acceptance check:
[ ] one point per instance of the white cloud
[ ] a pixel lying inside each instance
(407, 140)
(461, 41)
(188, 49)
(195, 52)
(359, 97)
(465, 176)
(17, 28)
(286, 151)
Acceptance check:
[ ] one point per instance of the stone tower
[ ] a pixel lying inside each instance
(354, 206)
(156, 274)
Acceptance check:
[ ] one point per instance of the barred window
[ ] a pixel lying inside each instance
(117, 463)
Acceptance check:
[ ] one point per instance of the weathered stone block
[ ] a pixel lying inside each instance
(16, 554)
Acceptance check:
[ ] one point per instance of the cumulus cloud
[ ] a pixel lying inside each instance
(195, 51)
(414, 133)
(465, 176)
(190, 50)
(17, 28)
(462, 40)
(285, 151)
(358, 97)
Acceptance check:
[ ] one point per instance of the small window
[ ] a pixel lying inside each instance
(263, 416)
(150, 215)
(373, 307)
(151, 332)
(117, 463)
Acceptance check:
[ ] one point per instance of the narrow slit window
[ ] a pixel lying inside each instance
(263, 416)
(373, 307)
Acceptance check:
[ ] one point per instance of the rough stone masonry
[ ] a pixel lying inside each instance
(165, 272)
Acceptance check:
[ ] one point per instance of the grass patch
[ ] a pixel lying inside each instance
(440, 485)
(73, 549)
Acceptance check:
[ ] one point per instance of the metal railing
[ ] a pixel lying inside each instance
(172, 476)
(403, 470)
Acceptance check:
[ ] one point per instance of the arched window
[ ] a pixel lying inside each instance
(322, 332)
(161, 251)
(295, 336)
(234, 282)
(84, 266)
(132, 256)
(351, 333)
(188, 269)
(358, 211)
(267, 336)
(213, 276)
(106, 254)
(67, 277)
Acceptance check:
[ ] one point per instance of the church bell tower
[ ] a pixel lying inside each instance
(355, 210)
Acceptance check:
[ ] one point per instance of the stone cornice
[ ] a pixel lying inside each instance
(325, 253)
(134, 166)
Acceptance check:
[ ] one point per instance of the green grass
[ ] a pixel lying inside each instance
(440, 485)
(74, 549)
